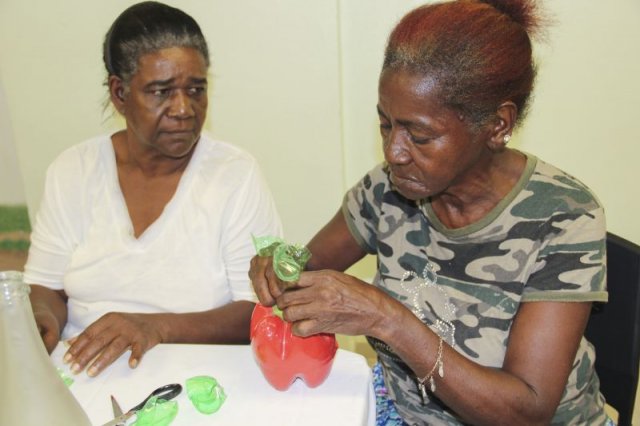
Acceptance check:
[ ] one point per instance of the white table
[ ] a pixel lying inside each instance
(345, 398)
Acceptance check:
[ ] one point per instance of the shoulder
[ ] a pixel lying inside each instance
(219, 153)
(377, 177)
(81, 158)
(373, 198)
(567, 216)
(551, 189)
(224, 166)
(376, 193)
(373, 185)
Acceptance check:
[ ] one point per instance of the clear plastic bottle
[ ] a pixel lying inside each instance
(31, 390)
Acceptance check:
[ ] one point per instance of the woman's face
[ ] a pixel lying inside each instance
(429, 148)
(166, 104)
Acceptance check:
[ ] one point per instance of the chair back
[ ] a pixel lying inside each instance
(614, 328)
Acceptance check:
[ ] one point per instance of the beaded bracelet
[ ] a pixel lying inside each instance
(432, 384)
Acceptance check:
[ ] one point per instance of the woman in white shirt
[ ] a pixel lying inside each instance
(144, 236)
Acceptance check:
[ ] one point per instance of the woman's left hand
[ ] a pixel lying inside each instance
(109, 337)
(328, 301)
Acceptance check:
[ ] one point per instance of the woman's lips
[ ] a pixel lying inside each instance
(179, 132)
(395, 178)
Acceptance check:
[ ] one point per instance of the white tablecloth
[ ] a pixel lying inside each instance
(345, 398)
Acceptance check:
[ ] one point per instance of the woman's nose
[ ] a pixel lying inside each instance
(395, 148)
(180, 106)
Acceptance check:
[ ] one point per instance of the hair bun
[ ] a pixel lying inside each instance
(524, 12)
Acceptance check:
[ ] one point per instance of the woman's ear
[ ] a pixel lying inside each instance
(117, 93)
(505, 121)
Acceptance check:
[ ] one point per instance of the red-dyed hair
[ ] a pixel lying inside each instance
(477, 51)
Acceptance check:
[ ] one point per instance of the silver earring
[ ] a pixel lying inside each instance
(506, 139)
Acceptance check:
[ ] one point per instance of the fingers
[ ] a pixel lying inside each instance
(259, 281)
(265, 283)
(104, 341)
(306, 328)
(137, 350)
(331, 302)
(107, 356)
(48, 329)
(50, 339)
(85, 347)
(307, 279)
(311, 287)
(305, 308)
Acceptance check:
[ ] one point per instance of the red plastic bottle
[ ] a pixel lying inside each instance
(284, 357)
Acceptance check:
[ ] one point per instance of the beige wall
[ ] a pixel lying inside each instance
(294, 81)
(11, 189)
(586, 114)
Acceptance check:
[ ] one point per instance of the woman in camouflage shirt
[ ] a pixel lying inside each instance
(488, 258)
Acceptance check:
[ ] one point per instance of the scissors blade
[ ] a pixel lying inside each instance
(117, 411)
(120, 420)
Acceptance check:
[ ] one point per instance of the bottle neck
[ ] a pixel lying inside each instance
(12, 287)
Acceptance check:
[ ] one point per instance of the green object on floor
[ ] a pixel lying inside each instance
(14, 228)
(14, 218)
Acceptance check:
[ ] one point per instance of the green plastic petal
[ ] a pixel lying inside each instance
(156, 412)
(265, 246)
(289, 261)
(205, 393)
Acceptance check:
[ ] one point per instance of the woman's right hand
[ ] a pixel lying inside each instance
(50, 312)
(265, 283)
(329, 301)
(48, 327)
(111, 335)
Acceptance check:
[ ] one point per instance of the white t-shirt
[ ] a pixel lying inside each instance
(194, 257)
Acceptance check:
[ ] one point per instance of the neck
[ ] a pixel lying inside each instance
(147, 160)
(475, 194)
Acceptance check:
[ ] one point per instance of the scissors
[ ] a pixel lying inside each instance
(165, 393)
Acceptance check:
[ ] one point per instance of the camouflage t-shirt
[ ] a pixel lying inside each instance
(544, 242)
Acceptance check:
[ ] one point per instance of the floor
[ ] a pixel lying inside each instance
(12, 260)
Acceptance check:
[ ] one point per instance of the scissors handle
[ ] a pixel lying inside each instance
(165, 393)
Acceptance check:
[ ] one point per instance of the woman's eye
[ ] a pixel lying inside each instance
(161, 93)
(419, 140)
(196, 90)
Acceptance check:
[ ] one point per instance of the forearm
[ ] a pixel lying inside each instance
(479, 395)
(228, 324)
(491, 396)
(333, 247)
